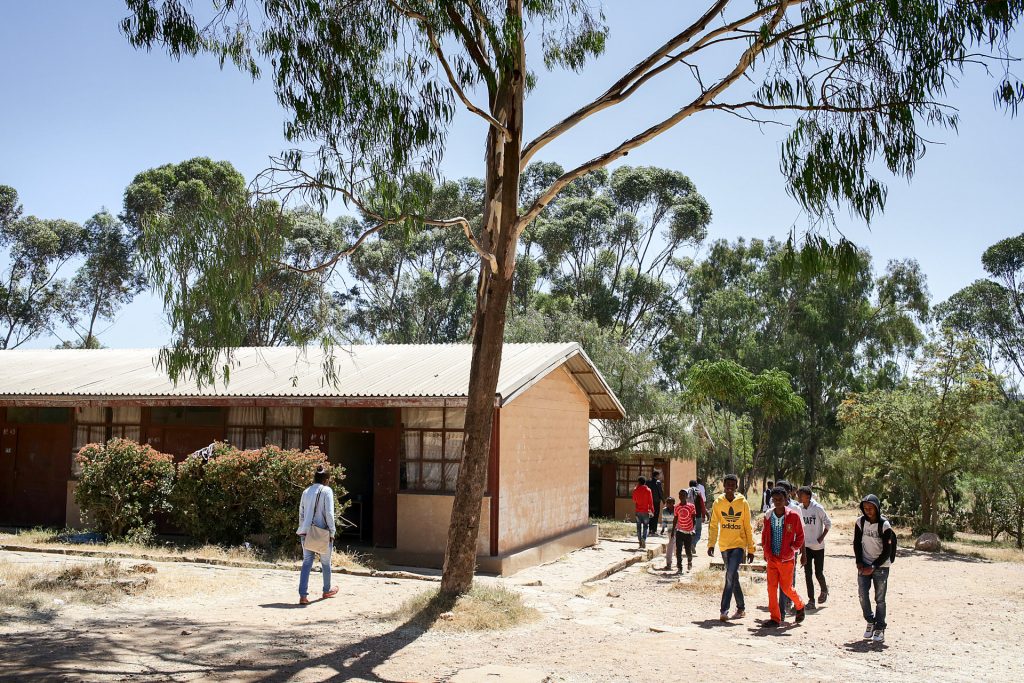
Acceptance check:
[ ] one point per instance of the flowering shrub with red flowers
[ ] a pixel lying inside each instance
(230, 494)
(123, 485)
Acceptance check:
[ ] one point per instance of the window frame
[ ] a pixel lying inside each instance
(260, 431)
(634, 470)
(417, 488)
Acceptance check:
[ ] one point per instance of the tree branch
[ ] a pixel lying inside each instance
(746, 59)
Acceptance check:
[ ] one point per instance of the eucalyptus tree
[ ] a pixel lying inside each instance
(35, 250)
(108, 278)
(372, 87)
(992, 310)
(615, 249)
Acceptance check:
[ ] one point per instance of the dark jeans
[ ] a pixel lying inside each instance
(815, 567)
(696, 531)
(652, 529)
(732, 559)
(684, 540)
(641, 527)
(880, 579)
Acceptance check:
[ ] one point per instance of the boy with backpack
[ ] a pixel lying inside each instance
(874, 546)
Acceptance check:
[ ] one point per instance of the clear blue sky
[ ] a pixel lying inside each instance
(83, 112)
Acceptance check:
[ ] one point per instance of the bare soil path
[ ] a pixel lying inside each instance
(952, 618)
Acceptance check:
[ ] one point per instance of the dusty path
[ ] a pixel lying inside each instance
(950, 619)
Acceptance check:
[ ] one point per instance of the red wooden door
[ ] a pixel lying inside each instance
(385, 488)
(42, 465)
(8, 452)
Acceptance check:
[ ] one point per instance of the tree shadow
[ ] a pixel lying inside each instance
(287, 605)
(153, 648)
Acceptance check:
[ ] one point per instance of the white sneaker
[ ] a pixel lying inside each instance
(879, 636)
(869, 631)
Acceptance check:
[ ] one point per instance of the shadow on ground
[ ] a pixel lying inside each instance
(189, 649)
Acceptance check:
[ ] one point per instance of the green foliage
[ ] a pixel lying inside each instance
(612, 249)
(993, 310)
(32, 297)
(122, 486)
(418, 285)
(234, 493)
(230, 270)
(107, 279)
(923, 434)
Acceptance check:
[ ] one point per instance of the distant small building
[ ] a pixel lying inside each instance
(393, 418)
(613, 473)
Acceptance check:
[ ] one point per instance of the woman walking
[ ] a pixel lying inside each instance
(316, 521)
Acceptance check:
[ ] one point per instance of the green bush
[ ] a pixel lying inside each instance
(123, 485)
(235, 494)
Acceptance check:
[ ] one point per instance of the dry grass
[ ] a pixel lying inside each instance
(34, 592)
(710, 581)
(175, 550)
(614, 528)
(484, 608)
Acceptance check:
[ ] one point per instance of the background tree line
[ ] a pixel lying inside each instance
(839, 375)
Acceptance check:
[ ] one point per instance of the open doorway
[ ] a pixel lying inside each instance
(355, 452)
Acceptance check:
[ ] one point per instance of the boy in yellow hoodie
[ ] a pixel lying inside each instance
(731, 527)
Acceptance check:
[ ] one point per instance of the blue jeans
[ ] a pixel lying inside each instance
(307, 566)
(732, 559)
(880, 578)
(642, 525)
(696, 531)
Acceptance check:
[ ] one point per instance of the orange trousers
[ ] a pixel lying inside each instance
(781, 574)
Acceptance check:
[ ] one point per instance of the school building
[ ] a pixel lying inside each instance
(613, 475)
(392, 415)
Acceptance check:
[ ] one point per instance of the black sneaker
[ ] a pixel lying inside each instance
(824, 596)
(799, 616)
(810, 605)
(771, 623)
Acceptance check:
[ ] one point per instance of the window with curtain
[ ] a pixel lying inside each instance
(101, 424)
(432, 449)
(251, 427)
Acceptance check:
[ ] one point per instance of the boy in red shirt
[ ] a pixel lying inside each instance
(782, 537)
(685, 518)
(643, 502)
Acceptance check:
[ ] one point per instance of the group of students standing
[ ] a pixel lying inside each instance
(794, 526)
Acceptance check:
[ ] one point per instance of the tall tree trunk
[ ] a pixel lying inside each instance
(500, 218)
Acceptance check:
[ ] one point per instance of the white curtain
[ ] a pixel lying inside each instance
(245, 416)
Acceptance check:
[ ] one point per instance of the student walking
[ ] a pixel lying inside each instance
(816, 528)
(766, 497)
(670, 510)
(658, 497)
(730, 527)
(782, 537)
(874, 546)
(784, 601)
(643, 504)
(685, 519)
(696, 496)
(316, 509)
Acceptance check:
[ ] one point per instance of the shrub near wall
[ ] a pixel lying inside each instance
(235, 494)
(123, 485)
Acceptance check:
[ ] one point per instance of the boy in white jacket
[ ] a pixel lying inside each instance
(812, 559)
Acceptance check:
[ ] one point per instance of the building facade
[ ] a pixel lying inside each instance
(392, 416)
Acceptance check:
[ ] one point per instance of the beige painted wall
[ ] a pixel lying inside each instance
(73, 515)
(423, 524)
(680, 473)
(543, 470)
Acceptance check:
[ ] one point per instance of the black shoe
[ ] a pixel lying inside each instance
(771, 623)
(799, 616)
(824, 596)
(810, 605)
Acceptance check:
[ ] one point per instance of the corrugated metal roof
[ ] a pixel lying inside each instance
(363, 371)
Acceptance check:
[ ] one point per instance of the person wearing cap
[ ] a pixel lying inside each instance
(316, 507)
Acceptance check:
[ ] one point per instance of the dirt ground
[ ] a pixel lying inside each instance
(951, 618)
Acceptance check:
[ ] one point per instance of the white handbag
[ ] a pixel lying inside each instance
(318, 539)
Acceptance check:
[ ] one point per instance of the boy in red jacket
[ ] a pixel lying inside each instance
(644, 506)
(782, 537)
